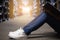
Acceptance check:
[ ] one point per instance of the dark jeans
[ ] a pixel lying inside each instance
(40, 20)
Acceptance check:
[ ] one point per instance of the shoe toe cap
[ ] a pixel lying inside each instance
(11, 35)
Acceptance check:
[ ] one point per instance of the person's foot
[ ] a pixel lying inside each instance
(17, 34)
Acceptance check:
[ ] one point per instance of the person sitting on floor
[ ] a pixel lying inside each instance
(48, 16)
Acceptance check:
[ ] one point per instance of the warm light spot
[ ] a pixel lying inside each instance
(26, 10)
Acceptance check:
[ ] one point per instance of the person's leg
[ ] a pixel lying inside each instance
(32, 26)
(35, 24)
(54, 23)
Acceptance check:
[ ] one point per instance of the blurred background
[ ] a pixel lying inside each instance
(18, 13)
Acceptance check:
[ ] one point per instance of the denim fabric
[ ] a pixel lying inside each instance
(39, 21)
(36, 23)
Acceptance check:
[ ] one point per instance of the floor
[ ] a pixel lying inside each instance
(43, 33)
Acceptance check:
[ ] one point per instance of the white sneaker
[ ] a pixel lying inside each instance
(17, 34)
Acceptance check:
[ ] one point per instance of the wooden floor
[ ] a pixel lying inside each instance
(43, 33)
